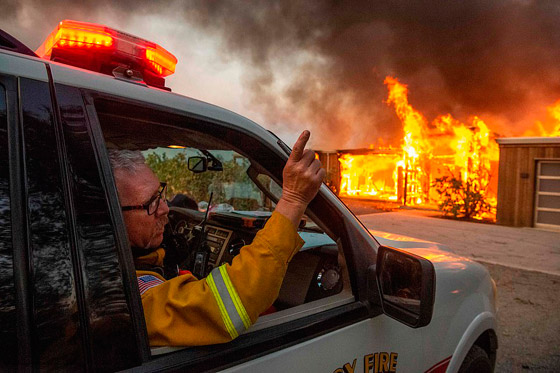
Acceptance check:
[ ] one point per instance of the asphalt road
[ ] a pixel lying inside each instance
(522, 248)
(364, 206)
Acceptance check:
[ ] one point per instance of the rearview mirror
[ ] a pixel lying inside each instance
(215, 165)
(407, 284)
(197, 164)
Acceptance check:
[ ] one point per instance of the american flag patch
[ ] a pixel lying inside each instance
(147, 282)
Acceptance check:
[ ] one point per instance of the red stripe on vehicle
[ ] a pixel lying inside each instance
(440, 367)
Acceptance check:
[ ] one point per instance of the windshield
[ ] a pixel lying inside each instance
(232, 189)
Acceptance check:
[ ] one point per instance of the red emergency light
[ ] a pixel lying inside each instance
(106, 50)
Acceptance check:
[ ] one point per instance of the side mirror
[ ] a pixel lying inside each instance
(407, 284)
(197, 164)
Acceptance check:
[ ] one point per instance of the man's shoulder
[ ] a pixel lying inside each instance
(148, 280)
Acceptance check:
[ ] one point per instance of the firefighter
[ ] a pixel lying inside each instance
(185, 311)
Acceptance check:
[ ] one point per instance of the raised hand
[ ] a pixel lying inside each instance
(302, 178)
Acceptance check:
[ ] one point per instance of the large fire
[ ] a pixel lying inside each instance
(550, 126)
(446, 163)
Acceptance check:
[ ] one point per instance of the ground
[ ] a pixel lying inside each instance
(528, 300)
(364, 206)
(528, 320)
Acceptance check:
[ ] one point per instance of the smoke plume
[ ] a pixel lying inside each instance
(321, 64)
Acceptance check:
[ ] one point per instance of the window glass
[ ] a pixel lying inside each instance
(549, 185)
(110, 328)
(200, 158)
(8, 341)
(269, 186)
(57, 329)
(550, 168)
(231, 187)
(548, 217)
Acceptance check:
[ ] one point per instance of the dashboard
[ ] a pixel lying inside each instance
(225, 233)
(312, 274)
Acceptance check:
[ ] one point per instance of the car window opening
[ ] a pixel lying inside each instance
(195, 166)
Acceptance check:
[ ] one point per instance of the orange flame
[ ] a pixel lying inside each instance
(551, 125)
(445, 151)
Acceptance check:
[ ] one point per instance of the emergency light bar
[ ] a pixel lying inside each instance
(103, 49)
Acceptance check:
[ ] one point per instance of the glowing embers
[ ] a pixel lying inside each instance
(369, 175)
(455, 160)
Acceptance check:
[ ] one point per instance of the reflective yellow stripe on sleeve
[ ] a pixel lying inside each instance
(233, 312)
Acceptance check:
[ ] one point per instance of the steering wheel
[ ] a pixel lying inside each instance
(177, 239)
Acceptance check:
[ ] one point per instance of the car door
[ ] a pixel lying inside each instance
(44, 294)
(63, 305)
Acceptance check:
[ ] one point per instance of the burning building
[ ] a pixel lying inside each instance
(453, 166)
(443, 164)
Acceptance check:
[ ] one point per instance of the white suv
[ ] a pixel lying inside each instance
(69, 299)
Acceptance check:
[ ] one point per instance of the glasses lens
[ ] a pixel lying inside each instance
(154, 205)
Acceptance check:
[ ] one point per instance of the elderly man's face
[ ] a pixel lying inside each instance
(144, 231)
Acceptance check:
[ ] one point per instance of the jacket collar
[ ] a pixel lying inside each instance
(155, 259)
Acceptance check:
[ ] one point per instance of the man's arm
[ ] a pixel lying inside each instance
(187, 312)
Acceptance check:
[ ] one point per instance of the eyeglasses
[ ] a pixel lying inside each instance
(153, 204)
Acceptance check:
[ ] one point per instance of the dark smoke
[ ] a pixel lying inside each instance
(496, 59)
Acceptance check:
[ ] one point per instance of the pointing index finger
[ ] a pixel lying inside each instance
(299, 146)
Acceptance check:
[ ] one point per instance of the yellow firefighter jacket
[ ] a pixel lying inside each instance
(185, 311)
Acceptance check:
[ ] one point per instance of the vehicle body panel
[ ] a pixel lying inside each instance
(463, 310)
(23, 66)
(464, 306)
(349, 345)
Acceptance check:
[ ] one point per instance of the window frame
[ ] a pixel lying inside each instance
(94, 343)
(121, 238)
(274, 338)
(18, 220)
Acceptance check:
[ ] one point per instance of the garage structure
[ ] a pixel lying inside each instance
(529, 182)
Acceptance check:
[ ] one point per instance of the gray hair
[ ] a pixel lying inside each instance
(126, 160)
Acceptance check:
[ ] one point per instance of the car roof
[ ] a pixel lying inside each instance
(27, 66)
